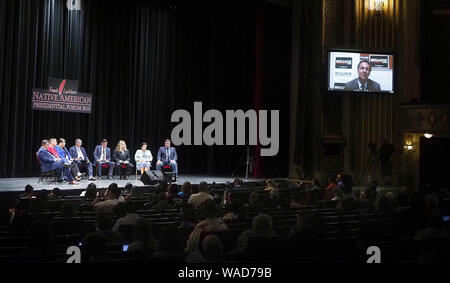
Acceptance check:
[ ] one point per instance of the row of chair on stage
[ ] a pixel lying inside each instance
(61, 164)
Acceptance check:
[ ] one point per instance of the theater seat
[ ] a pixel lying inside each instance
(268, 248)
(127, 232)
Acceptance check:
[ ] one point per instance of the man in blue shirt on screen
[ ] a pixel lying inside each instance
(363, 83)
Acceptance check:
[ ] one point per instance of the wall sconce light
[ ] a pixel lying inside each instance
(428, 135)
(409, 148)
(377, 5)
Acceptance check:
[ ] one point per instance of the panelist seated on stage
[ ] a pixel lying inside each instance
(50, 162)
(51, 147)
(167, 155)
(143, 158)
(65, 155)
(53, 150)
(121, 157)
(81, 159)
(102, 155)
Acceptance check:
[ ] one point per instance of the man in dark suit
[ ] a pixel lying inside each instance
(363, 83)
(81, 159)
(167, 155)
(64, 153)
(102, 155)
(50, 162)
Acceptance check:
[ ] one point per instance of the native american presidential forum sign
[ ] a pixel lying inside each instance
(61, 95)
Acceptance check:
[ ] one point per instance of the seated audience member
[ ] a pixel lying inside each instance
(332, 189)
(261, 226)
(104, 224)
(134, 192)
(102, 155)
(186, 191)
(41, 204)
(51, 161)
(120, 210)
(434, 230)
(235, 212)
(339, 194)
(340, 181)
(172, 193)
(210, 224)
(383, 206)
(143, 243)
(348, 201)
(170, 247)
(298, 200)
(274, 200)
(63, 152)
(108, 198)
(28, 193)
(127, 188)
(356, 194)
(55, 194)
(67, 210)
(167, 155)
(198, 199)
(212, 251)
(42, 246)
(121, 157)
(367, 198)
(238, 183)
(22, 205)
(188, 218)
(308, 227)
(253, 200)
(431, 205)
(347, 193)
(392, 198)
(271, 185)
(129, 219)
(372, 182)
(81, 159)
(316, 191)
(163, 203)
(143, 158)
(315, 185)
(91, 193)
(403, 199)
(94, 247)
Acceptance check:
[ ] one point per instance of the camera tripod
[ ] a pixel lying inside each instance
(373, 166)
(243, 161)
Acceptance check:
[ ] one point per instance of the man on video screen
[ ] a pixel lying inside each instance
(363, 83)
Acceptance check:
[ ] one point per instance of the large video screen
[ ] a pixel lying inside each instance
(360, 72)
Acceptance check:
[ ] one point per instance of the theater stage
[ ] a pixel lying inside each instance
(18, 184)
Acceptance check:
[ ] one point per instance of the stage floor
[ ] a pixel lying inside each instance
(18, 184)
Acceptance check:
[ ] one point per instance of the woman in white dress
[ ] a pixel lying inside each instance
(143, 158)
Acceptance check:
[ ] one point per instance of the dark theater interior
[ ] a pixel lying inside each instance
(248, 133)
